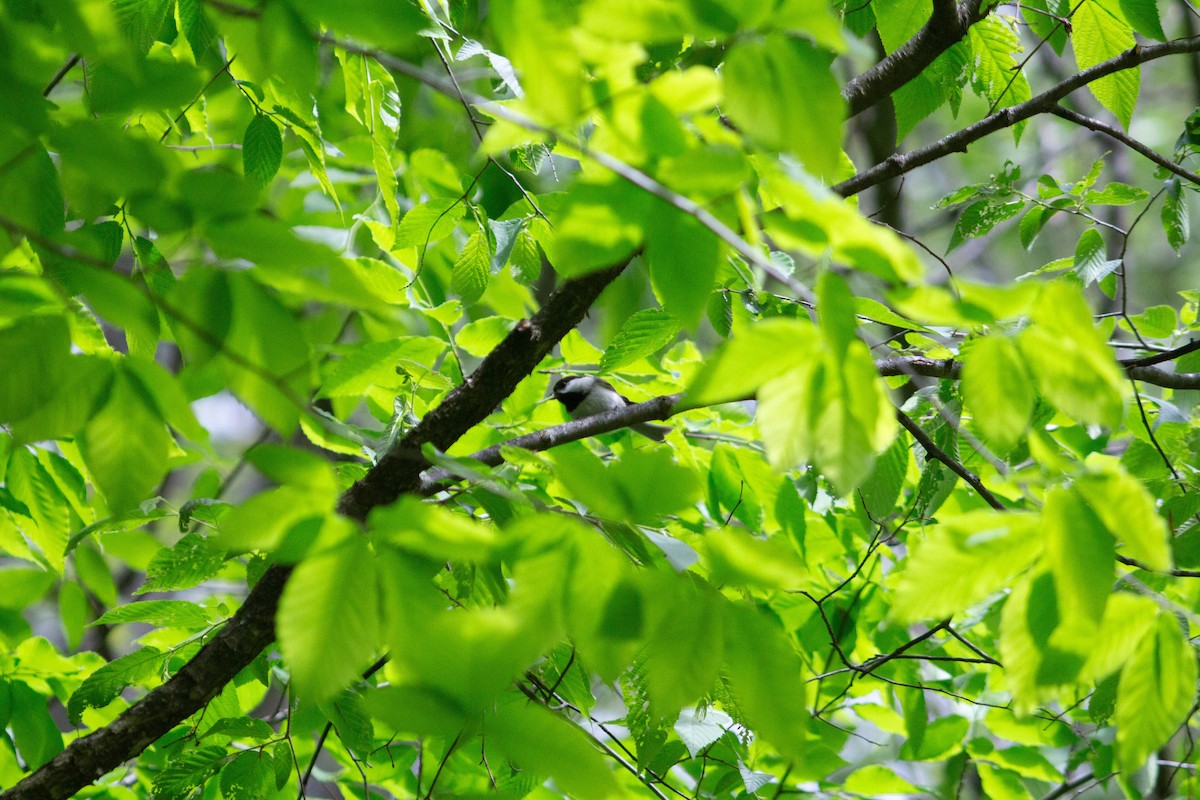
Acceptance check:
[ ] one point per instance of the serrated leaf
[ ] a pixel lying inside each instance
(1130, 514)
(964, 559)
(125, 445)
(1032, 223)
(246, 776)
(1174, 215)
(472, 268)
(1100, 32)
(262, 149)
(998, 390)
(780, 91)
(191, 561)
(196, 27)
(1143, 16)
(979, 218)
(997, 76)
(1091, 263)
(102, 686)
(642, 335)
(1074, 367)
(1116, 194)
(328, 621)
(537, 740)
(526, 258)
(1155, 694)
(164, 613)
(187, 770)
(428, 222)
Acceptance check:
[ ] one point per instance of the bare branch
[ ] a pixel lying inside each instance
(957, 142)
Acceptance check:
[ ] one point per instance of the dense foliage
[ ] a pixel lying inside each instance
(275, 275)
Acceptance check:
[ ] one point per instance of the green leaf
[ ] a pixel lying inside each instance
(1042, 17)
(1073, 366)
(641, 336)
(1091, 262)
(526, 258)
(997, 76)
(247, 776)
(1032, 223)
(1155, 694)
(36, 362)
(34, 733)
(1174, 215)
(163, 613)
(643, 485)
(835, 306)
(964, 559)
(196, 27)
(428, 222)
(1001, 784)
(881, 489)
(125, 445)
(187, 770)
(1126, 620)
(1156, 322)
(979, 218)
(1116, 194)
(1080, 554)
(1129, 513)
(102, 686)
(1143, 16)
(683, 257)
(389, 24)
(597, 225)
(472, 268)
(750, 359)
(737, 558)
(262, 149)
(537, 740)
(781, 92)
(998, 391)
(73, 610)
(835, 412)
(685, 649)
(876, 780)
(256, 343)
(760, 662)
(328, 622)
(189, 562)
(1100, 32)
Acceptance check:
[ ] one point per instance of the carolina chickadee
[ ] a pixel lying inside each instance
(585, 396)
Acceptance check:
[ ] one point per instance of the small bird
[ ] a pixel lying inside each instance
(586, 396)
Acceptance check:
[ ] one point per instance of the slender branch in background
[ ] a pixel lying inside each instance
(958, 141)
(62, 73)
(952, 464)
(1125, 139)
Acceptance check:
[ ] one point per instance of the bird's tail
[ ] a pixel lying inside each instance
(655, 432)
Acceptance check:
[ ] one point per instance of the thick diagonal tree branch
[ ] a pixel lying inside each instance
(947, 25)
(1045, 102)
(252, 628)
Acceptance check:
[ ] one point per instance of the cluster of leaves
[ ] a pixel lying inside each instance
(331, 212)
